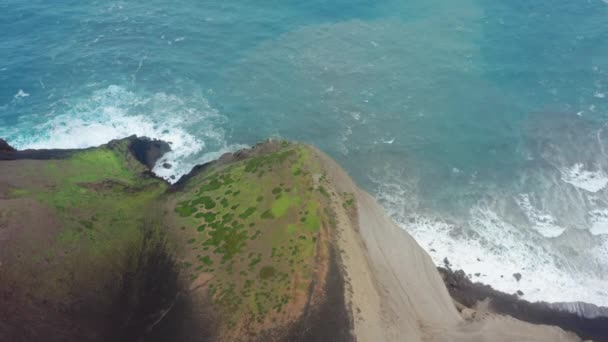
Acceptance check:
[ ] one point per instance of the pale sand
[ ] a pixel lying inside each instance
(394, 289)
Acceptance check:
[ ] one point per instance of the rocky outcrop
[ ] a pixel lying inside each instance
(581, 309)
(148, 151)
(470, 294)
(5, 147)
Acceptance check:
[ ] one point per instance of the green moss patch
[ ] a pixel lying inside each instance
(185, 210)
(281, 205)
(267, 272)
(267, 215)
(247, 213)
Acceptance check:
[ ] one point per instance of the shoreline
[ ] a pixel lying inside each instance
(395, 290)
(474, 294)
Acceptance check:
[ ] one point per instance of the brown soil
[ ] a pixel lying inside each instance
(190, 319)
(329, 320)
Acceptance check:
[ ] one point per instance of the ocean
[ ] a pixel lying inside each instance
(480, 126)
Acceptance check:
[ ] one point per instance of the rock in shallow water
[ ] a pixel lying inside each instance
(5, 147)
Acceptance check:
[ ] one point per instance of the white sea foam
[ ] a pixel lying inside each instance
(343, 142)
(115, 112)
(185, 165)
(542, 222)
(599, 222)
(491, 250)
(20, 94)
(502, 250)
(592, 181)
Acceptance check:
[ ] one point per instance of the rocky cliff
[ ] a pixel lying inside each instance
(272, 243)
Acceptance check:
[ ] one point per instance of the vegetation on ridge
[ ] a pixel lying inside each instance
(255, 226)
(247, 235)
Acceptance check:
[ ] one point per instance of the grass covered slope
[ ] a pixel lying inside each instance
(75, 232)
(93, 247)
(254, 237)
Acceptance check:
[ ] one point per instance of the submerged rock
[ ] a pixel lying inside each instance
(517, 276)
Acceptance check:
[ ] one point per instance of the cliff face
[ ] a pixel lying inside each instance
(94, 247)
(273, 243)
(78, 240)
(5, 147)
(395, 291)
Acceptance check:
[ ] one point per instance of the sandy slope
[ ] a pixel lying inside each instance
(394, 289)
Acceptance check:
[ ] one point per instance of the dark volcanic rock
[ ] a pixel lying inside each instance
(167, 165)
(226, 158)
(145, 150)
(582, 309)
(5, 147)
(148, 151)
(464, 291)
(146, 293)
(9, 153)
(330, 321)
(517, 276)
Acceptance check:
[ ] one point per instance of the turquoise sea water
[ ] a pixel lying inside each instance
(479, 125)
